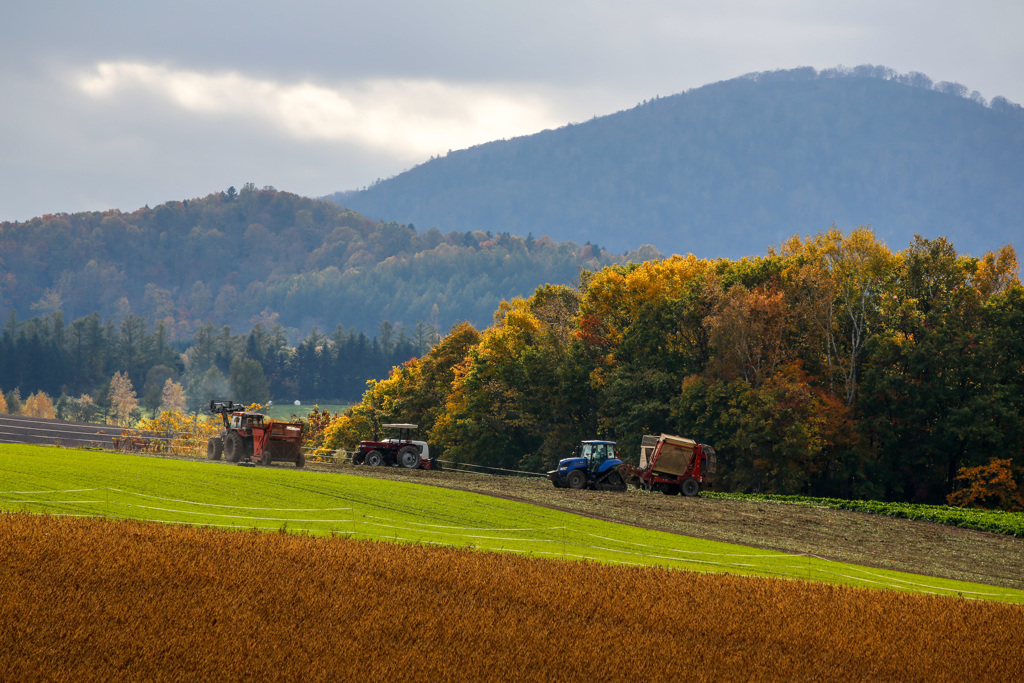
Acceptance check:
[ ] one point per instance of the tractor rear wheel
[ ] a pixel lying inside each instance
(615, 482)
(690, 488)
(214, 448)
(234, 447)
(375, 458)
(409, 456)
(576, 479)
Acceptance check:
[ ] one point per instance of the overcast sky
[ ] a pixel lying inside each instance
(118, 103)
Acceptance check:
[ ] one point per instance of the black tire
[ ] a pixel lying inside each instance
(214, 448)
(690, 488)
(300, 457)
(358, 458)
(409, 457)
(375, 459)
(576, 479)
(268, 455)
(234, 447)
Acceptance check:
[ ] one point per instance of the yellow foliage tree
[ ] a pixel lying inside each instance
(3, 402)
(122, 399)
(179, 433)
(173, 397)
(39, 405)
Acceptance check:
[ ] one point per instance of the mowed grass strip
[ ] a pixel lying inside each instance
(98, 599)
(85, 483)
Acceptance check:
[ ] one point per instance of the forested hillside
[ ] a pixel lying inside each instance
(832, 366)
(729, 168)
(238, 258)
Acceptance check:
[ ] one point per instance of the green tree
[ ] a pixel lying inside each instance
(248, 383)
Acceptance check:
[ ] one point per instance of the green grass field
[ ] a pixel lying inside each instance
(285, 410)
(70, 482)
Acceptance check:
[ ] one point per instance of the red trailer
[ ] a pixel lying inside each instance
(673, 465)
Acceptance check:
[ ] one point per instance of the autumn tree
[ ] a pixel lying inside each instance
(172, 398)
(123, 401)
(39, 405)
(990, 486)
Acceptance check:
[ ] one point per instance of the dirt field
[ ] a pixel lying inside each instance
(861, 538)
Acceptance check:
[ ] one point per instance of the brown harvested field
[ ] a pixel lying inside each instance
(872, 540)
(92, 599)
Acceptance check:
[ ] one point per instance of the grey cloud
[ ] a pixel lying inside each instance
(64, 151)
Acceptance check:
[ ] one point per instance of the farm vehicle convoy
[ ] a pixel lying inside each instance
(670, 464)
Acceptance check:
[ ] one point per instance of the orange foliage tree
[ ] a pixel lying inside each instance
(990, 486)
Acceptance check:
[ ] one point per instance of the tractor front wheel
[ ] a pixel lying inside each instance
(375, 458)
(214, 448)
(690, 488)
(409, 456)
(576, 479)
(234, 447)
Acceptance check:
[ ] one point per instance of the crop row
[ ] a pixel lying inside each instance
(88, 599)
(995, 521)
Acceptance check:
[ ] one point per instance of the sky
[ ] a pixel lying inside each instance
(120, 104)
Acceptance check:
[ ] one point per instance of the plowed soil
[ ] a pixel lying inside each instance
(871, 540)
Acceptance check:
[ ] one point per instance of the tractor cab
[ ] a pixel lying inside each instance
(596, 453)
(246, 421)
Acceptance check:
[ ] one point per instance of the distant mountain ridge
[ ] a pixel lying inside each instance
(729, 168)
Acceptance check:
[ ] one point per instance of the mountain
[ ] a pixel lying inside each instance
(729, 168)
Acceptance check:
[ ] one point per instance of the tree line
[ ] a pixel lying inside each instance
(88, 369)
(831, 366)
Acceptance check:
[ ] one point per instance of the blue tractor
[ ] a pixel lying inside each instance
(594, 464)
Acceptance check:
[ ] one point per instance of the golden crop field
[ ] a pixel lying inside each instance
(95, 599)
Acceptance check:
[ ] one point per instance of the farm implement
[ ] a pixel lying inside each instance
(672, 465)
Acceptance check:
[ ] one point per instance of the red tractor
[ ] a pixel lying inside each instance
(401, 450)
(672, 465)
(253, 438)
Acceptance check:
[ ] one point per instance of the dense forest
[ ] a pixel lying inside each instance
(728, 168)
(830, 366)
(270, 257)
(70, 367)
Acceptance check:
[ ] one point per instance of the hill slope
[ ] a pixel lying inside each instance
(232, 258)
(729, 168)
